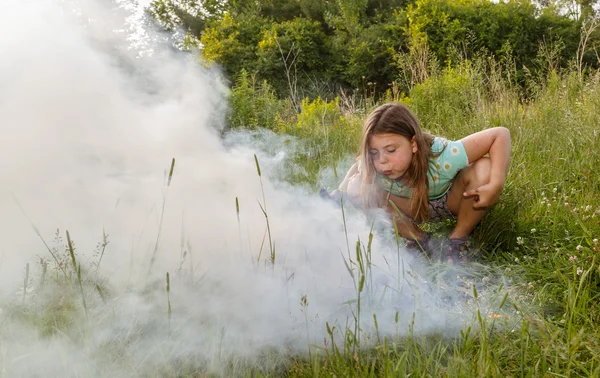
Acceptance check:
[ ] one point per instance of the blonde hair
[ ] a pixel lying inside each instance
(396, 118)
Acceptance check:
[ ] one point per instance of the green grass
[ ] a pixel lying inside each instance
(532, 309)
(542, 236)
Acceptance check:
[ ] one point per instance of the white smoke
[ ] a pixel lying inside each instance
(94, 105)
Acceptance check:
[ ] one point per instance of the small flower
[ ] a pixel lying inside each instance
(575, 210)
(579, 248)
(520, 240)
(573, 258)
(566, 198)
(595, 241)
(533, 230)
(554, 190)
(579, 271)
(566, 204)
(588, 208)
(544, 194)
(573, 191)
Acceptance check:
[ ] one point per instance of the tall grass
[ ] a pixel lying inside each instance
(542, 237)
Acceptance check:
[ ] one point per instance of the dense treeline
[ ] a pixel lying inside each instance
(307, 48)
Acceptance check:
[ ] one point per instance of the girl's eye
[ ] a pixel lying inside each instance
(391, 151)
(372, 153)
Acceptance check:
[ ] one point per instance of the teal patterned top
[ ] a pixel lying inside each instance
(442, 169)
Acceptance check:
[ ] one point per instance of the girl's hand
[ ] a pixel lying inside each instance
(484, 196)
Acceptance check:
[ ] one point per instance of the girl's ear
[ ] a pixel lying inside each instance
(413, 144)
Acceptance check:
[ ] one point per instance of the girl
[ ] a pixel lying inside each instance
(426, 178)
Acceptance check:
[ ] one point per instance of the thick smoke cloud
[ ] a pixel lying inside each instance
(94, 104)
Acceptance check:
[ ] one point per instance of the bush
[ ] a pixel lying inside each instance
(253, 105)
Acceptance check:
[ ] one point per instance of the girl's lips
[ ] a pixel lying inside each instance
(387, 173)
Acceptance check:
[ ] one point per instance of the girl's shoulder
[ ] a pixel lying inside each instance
(439, 143)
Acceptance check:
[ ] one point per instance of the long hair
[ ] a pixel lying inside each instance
(396, 118)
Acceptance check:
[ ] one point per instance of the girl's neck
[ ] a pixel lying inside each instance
(402, 180)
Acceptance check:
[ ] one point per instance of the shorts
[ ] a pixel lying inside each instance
(438, 209)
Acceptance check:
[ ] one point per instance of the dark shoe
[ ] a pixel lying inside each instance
(458, 251)
(423, 245)
(324, 194)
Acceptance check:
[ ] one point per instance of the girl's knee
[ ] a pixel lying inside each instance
(478, 173)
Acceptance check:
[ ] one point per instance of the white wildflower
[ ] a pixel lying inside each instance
(579, 248)
(595, 241)
(573, 258)
(554, 190)
(520, 240)
(533, 230)
(579, 271)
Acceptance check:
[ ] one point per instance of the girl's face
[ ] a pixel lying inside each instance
(391, 154)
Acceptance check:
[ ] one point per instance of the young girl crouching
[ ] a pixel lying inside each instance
(426, 178)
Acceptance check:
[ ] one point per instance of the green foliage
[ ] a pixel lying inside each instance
(472, 26)
(253, 105)
(289, 49)
(307, 47)
(326, 137)
(233, 42)
(447, 100)
(368, 55)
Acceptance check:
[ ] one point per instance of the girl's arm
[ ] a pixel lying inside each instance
(495, 142)
(349, 188)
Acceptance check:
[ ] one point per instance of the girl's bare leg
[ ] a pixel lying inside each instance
(406, 226)
(473, 176)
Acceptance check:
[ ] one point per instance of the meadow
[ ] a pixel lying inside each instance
(542, 236)
(297, 287)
